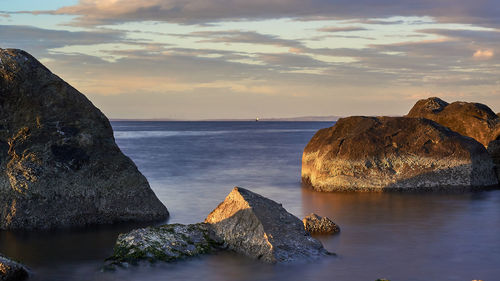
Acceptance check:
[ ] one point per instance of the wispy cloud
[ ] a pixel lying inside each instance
(341, 29)
(39, 40)
(252, 37)
(91, 12)
(288, 57)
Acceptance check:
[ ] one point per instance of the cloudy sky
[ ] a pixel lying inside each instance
(199, 59)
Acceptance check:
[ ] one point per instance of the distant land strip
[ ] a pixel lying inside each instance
(284, 119)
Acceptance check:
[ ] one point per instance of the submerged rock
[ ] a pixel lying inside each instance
(474, 120)
(12, 271)
(59, 164)
(320, 225)
(394, 153)
(260, 228)
(167, 243)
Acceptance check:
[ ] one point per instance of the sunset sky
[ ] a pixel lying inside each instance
(201, 59)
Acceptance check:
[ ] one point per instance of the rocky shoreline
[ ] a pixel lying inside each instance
(409, 153)
(244, 222)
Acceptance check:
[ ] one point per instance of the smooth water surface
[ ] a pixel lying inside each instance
(192, 166)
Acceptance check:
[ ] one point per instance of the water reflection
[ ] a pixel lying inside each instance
(398, 236)
(442, 235)
(43, 248)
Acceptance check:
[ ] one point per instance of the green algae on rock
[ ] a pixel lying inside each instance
(59, 163)
(166, 243)
(245, 222)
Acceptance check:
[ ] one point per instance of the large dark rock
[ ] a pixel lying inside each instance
(474, 120)
(59, 164)
(12, 271)
(394, 153)
(262, 229)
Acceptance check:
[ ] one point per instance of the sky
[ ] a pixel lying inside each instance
(206, 59)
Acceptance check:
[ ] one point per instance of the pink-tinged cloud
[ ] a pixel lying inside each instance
(483, 54)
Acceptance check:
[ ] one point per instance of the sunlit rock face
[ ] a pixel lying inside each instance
(11, 271)
(262, 229)
(59, 164)
(470, 119)
(474, 120)
(394, 153)
(320, 225)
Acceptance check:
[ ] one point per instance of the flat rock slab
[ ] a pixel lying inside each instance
(166, 243)
(12, 271)
(320, 225)
(59, 163)
(262, 229)
(395, 153)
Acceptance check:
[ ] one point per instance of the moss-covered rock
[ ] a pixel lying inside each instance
(167, 243)
(245, 222)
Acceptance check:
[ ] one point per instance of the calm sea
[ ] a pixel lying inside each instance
(192, 166)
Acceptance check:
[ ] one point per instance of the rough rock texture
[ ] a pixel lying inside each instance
(474, 120)
(320, 225)
(164, 243)
(494, 150)
(59, 164)
(262, 229)
(394, 153)
(11, 271)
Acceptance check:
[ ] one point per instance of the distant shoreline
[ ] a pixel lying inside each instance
(291, 119)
